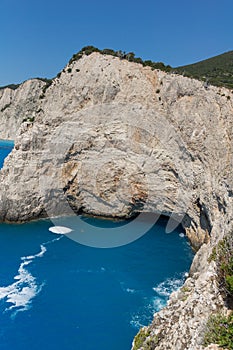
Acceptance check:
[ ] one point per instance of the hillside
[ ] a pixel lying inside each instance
(217, 70)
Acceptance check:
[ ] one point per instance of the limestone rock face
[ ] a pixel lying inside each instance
(18, 105)
(114, 138)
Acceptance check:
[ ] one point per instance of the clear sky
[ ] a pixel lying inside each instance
(38, 37)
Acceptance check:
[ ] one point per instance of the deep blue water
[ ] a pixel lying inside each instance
(58, 294)
(5, 149)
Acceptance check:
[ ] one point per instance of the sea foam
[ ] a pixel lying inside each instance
(21, 292)
(152, 305)
(168, 286)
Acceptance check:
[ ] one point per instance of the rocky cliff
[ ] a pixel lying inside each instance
(18, 105)
(113, 138)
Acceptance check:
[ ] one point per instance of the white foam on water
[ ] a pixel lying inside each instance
(21, 292)
(60, 230)
(130, 290)
(39, 255)
(163, 291)
(127, 289)
(158, 304)
(142, 318)
(136, 322)
(168, 286)
(181, 235)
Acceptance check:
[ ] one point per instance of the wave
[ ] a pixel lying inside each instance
(21, 292)
(163, 291)
(158, 304)
(168, 286)
(144, 315)
(136, 322)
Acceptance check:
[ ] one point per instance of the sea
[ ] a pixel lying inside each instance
(59, 294)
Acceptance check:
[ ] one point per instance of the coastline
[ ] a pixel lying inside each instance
(164, 145)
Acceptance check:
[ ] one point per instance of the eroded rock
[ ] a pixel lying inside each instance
(114, 138)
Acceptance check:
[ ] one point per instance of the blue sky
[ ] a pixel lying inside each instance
(39, 37)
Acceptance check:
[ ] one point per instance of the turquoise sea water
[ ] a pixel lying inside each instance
(58, 294)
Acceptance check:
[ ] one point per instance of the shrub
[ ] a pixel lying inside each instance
(130, 56)
(142, 340)
(87, 50)
(109, 52)
(11, 86)
(47, 85)
(138, 60)
(28, 119)
(222, 254)
(220, 331)
(229, 283)
(139, 339)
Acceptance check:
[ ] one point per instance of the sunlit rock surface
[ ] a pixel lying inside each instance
(114, 138)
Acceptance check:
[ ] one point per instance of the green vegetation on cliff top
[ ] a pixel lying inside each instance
(217, 70)
(130, 56)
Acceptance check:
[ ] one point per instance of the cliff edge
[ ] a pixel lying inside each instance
(113, 138)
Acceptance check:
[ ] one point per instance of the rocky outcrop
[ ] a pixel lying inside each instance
(18, 105)
(114, 138)
(181, 325)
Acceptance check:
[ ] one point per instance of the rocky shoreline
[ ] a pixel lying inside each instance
(113, 138)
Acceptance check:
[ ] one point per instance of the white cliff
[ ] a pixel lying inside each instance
(114, 138)
(18, 105)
